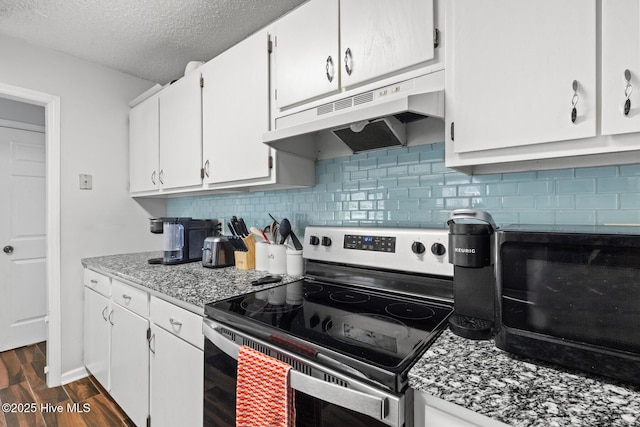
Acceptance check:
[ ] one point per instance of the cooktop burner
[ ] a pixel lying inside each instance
(409, 310)
(350, 297)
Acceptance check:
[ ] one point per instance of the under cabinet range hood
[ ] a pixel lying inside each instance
(365, 121)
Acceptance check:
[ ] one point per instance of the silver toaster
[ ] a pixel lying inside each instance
(217, 252)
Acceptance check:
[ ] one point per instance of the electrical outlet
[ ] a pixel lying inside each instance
(86, 182)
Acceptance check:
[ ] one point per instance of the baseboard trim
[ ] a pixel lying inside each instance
(74, 375)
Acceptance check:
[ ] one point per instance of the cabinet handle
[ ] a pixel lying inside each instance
(574, 101)
(104, 316)
(627, 92)
(206, 168)
(153, 177)
(127, 297)
(151, 338)
(330, 69)
(161, 176)
(94, 281)
(111, 320)
(348, 61)
(174, 322)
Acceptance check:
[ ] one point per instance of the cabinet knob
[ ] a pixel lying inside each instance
(348, 61)
(330, 69)
(574, 101)
(627, 92)
(8, 249)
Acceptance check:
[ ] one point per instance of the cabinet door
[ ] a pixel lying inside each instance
(176, 381)
(510, 71)
(235, 101)
(144, 146)
(307, 59)
(181, 133)
(620, 52)
(97, 340)
(130, 363)
(379, 37)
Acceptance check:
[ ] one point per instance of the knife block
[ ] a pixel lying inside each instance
(247, 260)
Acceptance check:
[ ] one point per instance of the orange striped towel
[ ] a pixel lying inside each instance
(263, 395)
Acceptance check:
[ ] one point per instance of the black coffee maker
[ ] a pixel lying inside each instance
(471, 247)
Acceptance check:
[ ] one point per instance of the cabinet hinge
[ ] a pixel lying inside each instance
(201, 81)
(269, 45)
(201, 173)
(149, 421)
(148, 333)
(452, 130)
(436, 38)
(270, 162)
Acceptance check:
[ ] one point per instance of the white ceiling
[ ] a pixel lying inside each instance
(151, 39)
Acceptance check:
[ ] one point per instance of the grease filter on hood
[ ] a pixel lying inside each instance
(374, 134)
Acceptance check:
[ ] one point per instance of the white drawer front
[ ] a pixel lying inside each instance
(178, 321)
(129, 297)
(97, 282)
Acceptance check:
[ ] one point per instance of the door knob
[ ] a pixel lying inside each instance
(8, 249)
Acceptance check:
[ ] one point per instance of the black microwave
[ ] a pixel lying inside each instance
(571, 296)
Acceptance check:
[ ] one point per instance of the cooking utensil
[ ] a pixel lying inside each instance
(284, 230)
(231, 229)
(266, 279)
(294, 239)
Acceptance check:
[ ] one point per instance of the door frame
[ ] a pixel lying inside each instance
(51, 104)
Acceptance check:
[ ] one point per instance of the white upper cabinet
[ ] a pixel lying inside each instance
(326, 46)
(379, 37)
(620, 52)
(144, 146)
(236, 112)
(511, 70)
(307, 52)
(181, 133)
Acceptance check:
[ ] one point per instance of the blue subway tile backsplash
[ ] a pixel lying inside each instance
(411, 187)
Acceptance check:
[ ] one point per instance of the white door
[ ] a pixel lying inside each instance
(144, 146)
(177, 370)
(620, 52)
(235, 106)
(130, 363)
(306, 53)
(23, 291)
(379, 37)
(509, 78)
(181, 133)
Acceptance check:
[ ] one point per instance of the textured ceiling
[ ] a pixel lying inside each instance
(151, 39)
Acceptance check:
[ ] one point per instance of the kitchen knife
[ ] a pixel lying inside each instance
(231, 229)
(243, 226)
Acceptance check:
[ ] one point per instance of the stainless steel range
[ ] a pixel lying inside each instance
(371, 302)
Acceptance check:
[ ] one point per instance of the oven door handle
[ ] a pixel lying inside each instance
(364, 403)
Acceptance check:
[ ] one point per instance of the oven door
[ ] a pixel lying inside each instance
(323, 397)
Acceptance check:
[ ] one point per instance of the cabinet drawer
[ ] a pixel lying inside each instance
(97, 282)
(178, 321)
(129, 297)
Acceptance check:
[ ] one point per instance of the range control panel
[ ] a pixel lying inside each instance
(420, 250)
(370, 243)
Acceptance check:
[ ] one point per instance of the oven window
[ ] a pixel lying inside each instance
(220, 399)
(585, 293)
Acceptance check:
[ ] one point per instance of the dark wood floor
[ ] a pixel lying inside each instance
(27, 401)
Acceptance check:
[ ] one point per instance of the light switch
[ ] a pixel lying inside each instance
(86, 182)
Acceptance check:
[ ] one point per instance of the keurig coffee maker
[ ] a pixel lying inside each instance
(471, 246)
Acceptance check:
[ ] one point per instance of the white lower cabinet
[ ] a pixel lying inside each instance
(147, 353)
(97, 335)
(176, 380)
(130, 363)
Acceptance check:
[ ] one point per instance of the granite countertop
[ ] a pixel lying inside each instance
(188, 285)
(519, 391)
(472, 374)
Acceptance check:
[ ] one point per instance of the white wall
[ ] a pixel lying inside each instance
(94, 140)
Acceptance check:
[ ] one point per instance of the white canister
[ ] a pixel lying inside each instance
(295, 264)
(277, 259)
(262, 256)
